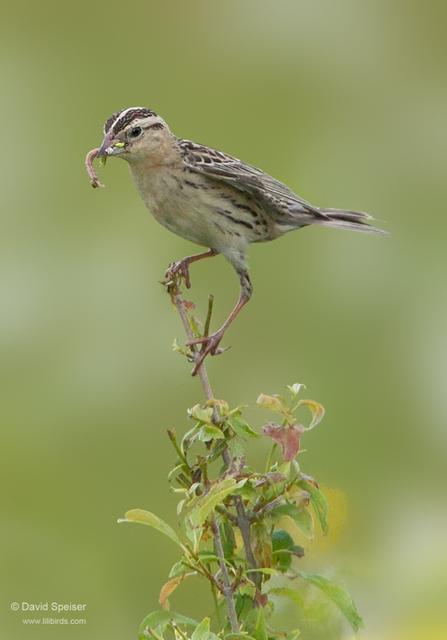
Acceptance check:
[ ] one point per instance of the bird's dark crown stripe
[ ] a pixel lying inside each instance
(121, 119)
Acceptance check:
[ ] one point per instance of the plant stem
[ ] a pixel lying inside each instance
(208, 392)
(180, 306)
(270, 458)
(227, 588)
(173, 439)
(243, 523)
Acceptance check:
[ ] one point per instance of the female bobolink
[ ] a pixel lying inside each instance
(210, 198)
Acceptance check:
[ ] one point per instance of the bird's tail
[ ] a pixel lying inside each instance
(350, 220)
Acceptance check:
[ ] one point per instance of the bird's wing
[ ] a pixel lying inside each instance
(268, 191)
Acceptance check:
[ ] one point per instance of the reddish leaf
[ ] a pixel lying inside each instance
(261, 599)
(288, 436)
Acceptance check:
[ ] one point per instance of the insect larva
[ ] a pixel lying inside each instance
(94, 180)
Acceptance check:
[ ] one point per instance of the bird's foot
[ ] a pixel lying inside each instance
(210, 346)
(177, 269)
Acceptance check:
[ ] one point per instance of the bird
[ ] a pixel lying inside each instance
(210, 198)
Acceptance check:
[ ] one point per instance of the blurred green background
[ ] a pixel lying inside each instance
(346, 102)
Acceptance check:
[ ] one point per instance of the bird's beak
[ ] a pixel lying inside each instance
(111, 147)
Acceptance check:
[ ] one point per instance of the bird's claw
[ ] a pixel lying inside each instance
(178, 269)
(210, 346)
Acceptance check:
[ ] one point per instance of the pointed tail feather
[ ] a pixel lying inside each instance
(350, 220)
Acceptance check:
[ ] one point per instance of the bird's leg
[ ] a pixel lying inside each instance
(211, 343)
(181, 267)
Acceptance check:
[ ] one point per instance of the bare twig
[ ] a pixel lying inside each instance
(179, 303)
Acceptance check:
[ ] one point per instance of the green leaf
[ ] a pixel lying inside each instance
(241, 427)
(176, 470)
(285, 592)
(228, 538)
(247, 491)
(284, 468)
(261, 544)
(183, 350)
(282, 545)
(319, 504)
(188, 439)
(299, 515)
(238, 636)
(194, 532)
(208, 556)
(210, 432)
(285, 509)
(283, 559)
(202, 414)
(247, 589)
(339, 596)
(236, 448)
(245, 611)
(194, 325)
(268, 571)
(216, 495)
(281, 540)
(260, 632)
(202, 631)
(177, 569)
(141, 516)
(180, 506)
(304, 522)
(159, 620)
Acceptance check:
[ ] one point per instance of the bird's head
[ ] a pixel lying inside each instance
(134, 134)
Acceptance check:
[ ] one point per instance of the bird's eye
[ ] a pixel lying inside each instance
(135, 132)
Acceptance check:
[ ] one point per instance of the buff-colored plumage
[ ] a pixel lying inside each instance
(209, 197)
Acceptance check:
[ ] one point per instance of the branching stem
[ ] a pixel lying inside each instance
(227, 588)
